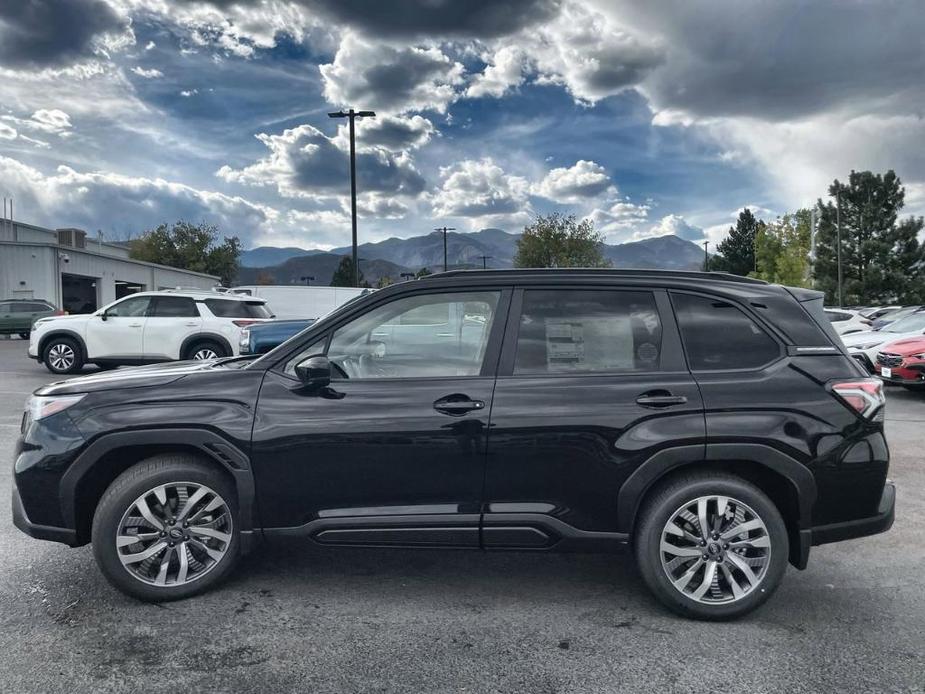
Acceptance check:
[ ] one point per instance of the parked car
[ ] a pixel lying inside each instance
(295, 302)
(682, 414)
(903, 363)
(18, 315)
(872, 313)
(883, 321)
(864, 346)
(846, 321)
(260, 338)
(146, 327)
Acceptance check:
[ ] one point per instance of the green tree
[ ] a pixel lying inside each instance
(343, 275)
(782, 249)
(882, 259)
(192, 247)
(557, 240)
(737, 250)
(423, 272)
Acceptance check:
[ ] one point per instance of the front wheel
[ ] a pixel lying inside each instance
(711, 546)
(62, 355)
(167, 528)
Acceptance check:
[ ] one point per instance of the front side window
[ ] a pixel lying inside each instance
(719, 336)
(175, 307)
(129, 308)
(587, 331)
(429, 335)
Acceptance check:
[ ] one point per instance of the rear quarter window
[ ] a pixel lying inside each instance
(227, 308)
(720, 336)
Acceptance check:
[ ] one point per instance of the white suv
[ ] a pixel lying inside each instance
(145, 328)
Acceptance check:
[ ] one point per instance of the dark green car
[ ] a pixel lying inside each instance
(18, 315)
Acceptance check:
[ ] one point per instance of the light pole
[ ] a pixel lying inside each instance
(838, 240)
(308, 280)
(352, 116)
(485, 259)
(706, 256)
(444, 230)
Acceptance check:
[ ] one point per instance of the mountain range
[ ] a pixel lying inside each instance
(493, 248)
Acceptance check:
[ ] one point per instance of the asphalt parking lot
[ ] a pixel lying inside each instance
(300, 618)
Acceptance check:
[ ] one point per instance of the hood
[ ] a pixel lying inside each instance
(906, 346)
(874, 337)
(133, 377)
(67, 317)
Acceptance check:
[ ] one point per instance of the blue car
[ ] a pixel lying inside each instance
(260, 338)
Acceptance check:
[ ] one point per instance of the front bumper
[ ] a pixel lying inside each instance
(40, 532)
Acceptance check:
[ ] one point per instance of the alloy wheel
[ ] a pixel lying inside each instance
(174, 534)
(61, 356)
(715, 549)
(205, 353)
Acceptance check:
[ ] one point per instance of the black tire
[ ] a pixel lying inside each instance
(24, 336)
(203, 345)
(118, 500)
(63, 355)
(663, 503)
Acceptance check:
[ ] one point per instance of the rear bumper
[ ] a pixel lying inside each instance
(862, 527)
(40, 532)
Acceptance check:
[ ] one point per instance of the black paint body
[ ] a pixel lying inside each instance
(558, 461)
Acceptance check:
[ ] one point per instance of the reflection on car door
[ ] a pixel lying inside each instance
(118, 332)
(592, 382)
(394, 451)
(171, 319)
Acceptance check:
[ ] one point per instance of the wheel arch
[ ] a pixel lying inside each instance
(788, 483)
(205, 337)
(62, 332)
(83, 485)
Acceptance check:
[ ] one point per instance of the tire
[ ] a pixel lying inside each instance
(203, 347)
(208, 559)
(23, 336)
(63, 355)
(721, 600)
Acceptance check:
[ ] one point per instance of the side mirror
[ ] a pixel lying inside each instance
(314, 372)
(103, 316)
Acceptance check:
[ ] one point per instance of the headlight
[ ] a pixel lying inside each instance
(41, 406)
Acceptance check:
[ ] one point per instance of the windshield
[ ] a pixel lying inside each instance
(910, 324)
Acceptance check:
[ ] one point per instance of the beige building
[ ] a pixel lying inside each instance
(76, 272)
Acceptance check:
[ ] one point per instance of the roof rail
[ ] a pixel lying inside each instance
(615, 272)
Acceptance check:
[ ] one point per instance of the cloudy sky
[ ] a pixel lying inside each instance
(649, 118)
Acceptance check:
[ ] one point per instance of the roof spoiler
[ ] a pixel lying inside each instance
(803, 295)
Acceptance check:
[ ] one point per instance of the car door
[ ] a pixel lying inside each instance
(6, 317)
(170, 320)
(394, 451)
(117, 332)
(592, 383)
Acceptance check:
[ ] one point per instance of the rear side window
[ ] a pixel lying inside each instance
(587, 331)
(225, 308)
(718, 335)
(174, 307)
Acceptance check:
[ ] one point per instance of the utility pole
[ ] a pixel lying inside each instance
(706, 256)
(308, 280)
(485, 259)
(838, 240)
(444, 230)
(352, 116)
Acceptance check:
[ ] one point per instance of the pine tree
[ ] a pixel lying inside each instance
(882, 259)
(343, 275)
(737, 250)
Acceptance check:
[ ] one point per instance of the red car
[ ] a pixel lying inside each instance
(903, 363)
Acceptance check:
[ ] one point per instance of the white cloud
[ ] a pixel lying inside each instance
(148, 74)
(481, 191)
(576, 184)
(504, 71)
(7, 133)
(367, 74)
(619, 218)
(393, 133)
(187, 93)
(304, 162)
(672, 224)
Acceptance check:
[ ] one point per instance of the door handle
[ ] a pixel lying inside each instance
(191, 325)
(457, 404)
(658, 399)
(134, 325)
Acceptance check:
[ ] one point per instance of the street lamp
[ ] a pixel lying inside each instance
(308, 279)
(838, 240)
(444, 230)
(706, 256)
(352, 116)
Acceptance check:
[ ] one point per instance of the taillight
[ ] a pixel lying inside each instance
(864, 395)
(59, 312)
(243, 323)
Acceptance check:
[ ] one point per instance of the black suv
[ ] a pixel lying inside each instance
(713, 423)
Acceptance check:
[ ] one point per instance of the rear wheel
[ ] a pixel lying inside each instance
(62, 355)
(206, 349)
(711, 546)
(167, 529)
